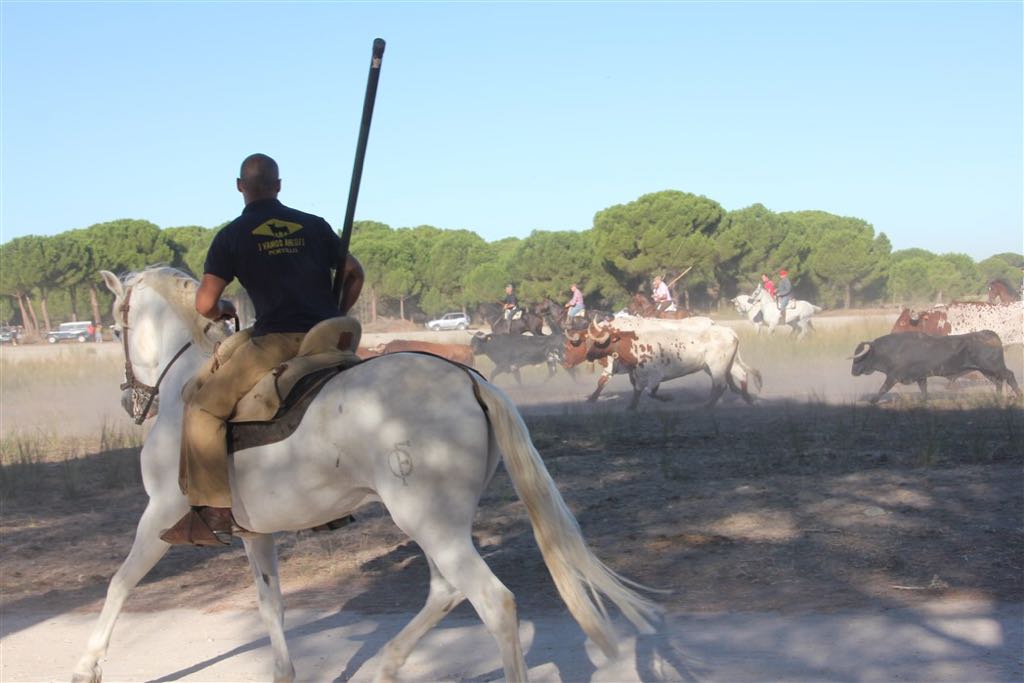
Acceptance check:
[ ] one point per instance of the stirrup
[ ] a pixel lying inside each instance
(192, 529)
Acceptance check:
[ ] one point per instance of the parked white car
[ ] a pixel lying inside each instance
(449, 321)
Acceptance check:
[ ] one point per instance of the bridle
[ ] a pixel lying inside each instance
(143, 395)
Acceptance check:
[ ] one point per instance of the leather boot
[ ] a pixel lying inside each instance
(202, 525)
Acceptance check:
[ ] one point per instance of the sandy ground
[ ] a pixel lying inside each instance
(954, 642)
(806, 538)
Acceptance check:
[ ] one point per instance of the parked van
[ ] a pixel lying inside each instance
(80, 331)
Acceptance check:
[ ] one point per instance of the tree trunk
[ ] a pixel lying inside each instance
(73, 293)
(373, 305)
(46, 313)
(847, 295)
(32, 313)
(401, 307)
(25, 322)
(94, 301)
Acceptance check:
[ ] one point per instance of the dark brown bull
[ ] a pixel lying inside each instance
(933, 323)
(906, 358)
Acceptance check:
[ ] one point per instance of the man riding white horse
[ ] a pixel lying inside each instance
(783, 294)
(283, 258)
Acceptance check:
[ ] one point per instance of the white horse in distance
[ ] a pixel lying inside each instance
(745, 308)
(415, 432)
(798, 314)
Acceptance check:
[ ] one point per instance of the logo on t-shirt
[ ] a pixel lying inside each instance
(281, 240)
(277, 228)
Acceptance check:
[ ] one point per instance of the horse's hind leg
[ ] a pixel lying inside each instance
(463, 567)
(449, 545)
(263, 562)
(147, 549)
(442, 599)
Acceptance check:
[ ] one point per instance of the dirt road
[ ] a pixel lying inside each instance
(809, 537)
(952, 642)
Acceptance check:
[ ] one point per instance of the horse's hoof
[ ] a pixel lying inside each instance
(95, 676)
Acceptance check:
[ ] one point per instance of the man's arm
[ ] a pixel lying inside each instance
(208, 301)
(354, 277)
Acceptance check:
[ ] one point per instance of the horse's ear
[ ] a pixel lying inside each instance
(112, 282)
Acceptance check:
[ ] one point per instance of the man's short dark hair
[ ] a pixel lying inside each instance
(259, 174)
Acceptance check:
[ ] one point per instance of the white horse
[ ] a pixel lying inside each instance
(415, 432)
(744, 307)
(798, 314)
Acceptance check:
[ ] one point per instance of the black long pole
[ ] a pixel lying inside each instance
(357, 168)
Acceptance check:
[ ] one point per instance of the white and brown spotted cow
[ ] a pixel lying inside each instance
(974, 316)
(655, 351)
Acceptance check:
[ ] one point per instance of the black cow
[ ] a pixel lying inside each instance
(509, 353)
(914, 357)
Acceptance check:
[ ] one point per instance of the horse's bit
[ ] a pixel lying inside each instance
(143, 395)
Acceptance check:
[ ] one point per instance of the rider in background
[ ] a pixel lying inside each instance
(768, 285)
(283, 258)
(510, 303)
(659, 292)
(575, 304)
(785, 290)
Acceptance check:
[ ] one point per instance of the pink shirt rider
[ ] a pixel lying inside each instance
(661, 293)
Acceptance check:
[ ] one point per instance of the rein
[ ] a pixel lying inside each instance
(142, 394)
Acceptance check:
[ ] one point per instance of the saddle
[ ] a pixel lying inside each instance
(517, 314)
(327, 349)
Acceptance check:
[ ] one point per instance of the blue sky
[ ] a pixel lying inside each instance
(503, 118)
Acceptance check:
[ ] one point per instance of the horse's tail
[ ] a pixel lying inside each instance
(743, 376)
(580, 577)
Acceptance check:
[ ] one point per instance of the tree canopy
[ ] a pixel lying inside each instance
(425, 270)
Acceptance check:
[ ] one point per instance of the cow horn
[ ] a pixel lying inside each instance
(862, 353)
(600, 336)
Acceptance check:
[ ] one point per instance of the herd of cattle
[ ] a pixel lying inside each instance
(948, 341)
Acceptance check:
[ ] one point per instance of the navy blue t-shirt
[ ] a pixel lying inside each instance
(283, 258)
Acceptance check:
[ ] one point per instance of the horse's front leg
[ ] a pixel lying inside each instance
(263, 560)
(147, 549)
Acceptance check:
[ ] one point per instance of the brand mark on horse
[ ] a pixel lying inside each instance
(401, 461)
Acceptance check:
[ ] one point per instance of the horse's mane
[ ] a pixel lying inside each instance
(178, 289)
